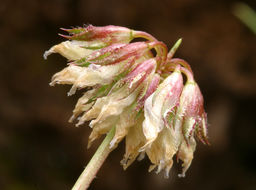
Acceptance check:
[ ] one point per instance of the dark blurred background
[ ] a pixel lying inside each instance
(40, 150)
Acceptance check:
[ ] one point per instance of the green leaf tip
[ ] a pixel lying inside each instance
(174, 48)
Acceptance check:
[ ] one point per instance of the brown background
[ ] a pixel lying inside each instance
(40, 150)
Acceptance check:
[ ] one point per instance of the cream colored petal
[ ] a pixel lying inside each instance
(96, 74)
(123, 120)
(102, 128)
(178, 133)
(153, 122)
(68, 75)
(127, 119)
(112, 104)
(133, 141)
(72, 50)
(156, 105)
(112, 107)
(115, 106)
(185, 153)
(162, 151)
(82, 105)
(94, 111)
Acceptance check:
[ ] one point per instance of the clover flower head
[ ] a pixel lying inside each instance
(143, 96)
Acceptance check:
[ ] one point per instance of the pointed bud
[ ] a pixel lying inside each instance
(107, 35)
(115, 53)
(192, 110)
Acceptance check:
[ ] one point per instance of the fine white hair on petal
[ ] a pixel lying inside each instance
(188, 127)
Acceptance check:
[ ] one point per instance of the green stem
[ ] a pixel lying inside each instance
(95, 163)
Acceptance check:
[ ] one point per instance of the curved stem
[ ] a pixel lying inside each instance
(140, 34)
(189, 75)
(161, 50)
(95, 163)
(181, 62)
(172, 66)
(160, 47)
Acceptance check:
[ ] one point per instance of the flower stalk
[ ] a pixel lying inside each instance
(95, 163)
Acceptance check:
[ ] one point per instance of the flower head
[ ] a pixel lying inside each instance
(142, 95)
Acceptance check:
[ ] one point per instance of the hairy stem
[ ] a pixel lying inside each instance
(95, 163)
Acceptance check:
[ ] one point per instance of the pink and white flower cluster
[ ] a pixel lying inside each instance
(144, 96)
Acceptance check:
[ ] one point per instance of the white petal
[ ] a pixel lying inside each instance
(68, 75)
(112, 104)
(133, 141)
(186, 152)
(115, 105)
(72, 50)
(99, 74)
(157, 105)
(127, 120)
(162, 150)
(102, 128)
(95, 74)
(82, 105)
(153, 122)
(94, 111)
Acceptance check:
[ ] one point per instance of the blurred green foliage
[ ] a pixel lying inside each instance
(246, 14)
